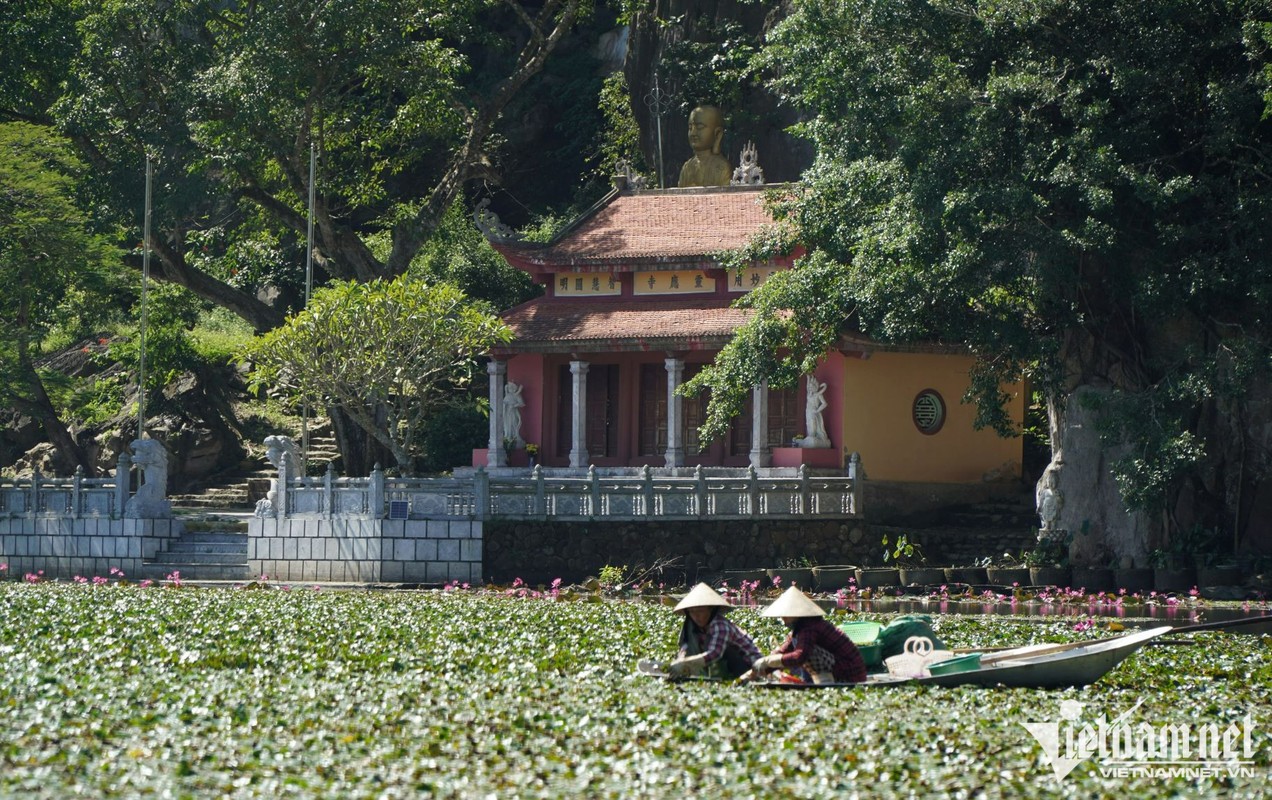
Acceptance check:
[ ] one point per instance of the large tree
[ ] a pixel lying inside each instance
(1080, 190)
(402, 100)
(49, 259)
(391, 353)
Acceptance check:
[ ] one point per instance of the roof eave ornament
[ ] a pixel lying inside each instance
(749, 172)
(488, 223)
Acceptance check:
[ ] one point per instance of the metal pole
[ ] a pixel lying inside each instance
(658, 104)
(145, 286)
(309, 285)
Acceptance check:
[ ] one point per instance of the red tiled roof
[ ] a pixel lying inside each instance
(670, 225)
(542, 325)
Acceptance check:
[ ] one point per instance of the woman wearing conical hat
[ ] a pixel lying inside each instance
(819, 648)
(709, 643)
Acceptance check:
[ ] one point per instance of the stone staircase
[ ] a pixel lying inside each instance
(963, 534)
(212, 548)
(239, 489)
(215, 513)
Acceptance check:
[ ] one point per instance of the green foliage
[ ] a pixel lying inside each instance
(713, 68)
(389, 353)
(451, 435)
(457, 253)
(1052, 551)
(170, 350)
(371, 694)
(1077, 192)
(612, 576)
(51, 264)
(902, 551)
(620, 135)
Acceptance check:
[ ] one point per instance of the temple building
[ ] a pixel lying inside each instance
(636, 303)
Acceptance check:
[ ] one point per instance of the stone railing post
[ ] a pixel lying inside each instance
(700, 491)
(328, 491)
(284, 472)
(481, 493)
(752, 491)
(35, 492)
(858, 476)
(647, 489)
(804, 506)
(77, 497)
(122, 469)
(540, 493)
(375, 493)
(593, 492)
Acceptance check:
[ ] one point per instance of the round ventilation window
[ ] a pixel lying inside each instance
(929, 411)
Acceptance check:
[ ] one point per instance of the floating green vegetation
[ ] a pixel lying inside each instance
(116, 691)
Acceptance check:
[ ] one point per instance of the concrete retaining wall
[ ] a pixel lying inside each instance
(538, 552)
(365, 550)
(64, 547)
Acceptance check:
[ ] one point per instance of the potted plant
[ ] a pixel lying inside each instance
(1093, 578)
(794, 572)
(1170, 572)
(908, 557)
(878, 577)
(1216, 571)
(832, 578)
(1007, 570)
(1097, 574)
(1049, 562)
(1131, 578)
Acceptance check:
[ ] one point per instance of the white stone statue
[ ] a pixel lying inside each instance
(1049, 501)
(512, 405)
(275, 448)
(150, 501)
(815, 425)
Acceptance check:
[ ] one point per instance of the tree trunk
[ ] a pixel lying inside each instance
(41, 408)
(174, 269)
(1090, 506)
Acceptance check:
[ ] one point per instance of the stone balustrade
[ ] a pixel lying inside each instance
(541, 494)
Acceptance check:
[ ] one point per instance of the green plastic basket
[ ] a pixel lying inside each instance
(966, 663)
(866, 636)
(861, 632)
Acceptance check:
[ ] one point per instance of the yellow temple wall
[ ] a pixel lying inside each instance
(878, 402)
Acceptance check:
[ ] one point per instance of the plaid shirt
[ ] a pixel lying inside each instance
(814, 632)
(720, 634)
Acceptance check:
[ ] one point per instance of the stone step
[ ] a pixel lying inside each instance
(191, 571)
(204, 548)
(211, 503)
(223, 532)
(201, 559)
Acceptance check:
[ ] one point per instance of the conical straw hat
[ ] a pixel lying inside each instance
(793, 603)
(702, 596)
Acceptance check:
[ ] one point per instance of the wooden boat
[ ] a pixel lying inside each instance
(1040, 666)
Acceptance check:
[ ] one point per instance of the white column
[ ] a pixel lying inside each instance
(578, 448)
(675, 455)
(760, 454)
(495, 455)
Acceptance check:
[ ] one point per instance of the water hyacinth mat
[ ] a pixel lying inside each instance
(119, 691)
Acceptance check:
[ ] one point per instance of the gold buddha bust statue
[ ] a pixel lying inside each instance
(707, 167)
